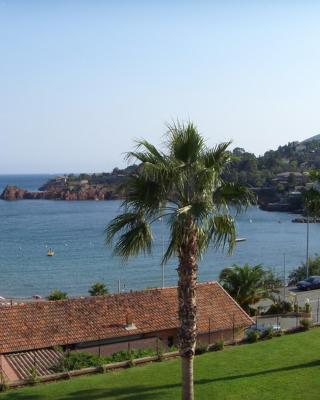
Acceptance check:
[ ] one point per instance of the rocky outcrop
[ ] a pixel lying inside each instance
(89, 193)
(13, 193)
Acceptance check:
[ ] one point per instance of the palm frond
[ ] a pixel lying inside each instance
(132, 232)
(146, 152)
(221, 232)
(123, 221)
(233, 194)
(185, 143)
(176, 229)
(144, 195)
(218, 157)
(134, 241)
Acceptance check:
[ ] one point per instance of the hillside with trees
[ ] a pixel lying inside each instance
(278, 177)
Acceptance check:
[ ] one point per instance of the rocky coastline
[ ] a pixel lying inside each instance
(11, 193)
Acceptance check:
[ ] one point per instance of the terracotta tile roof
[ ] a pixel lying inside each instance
(45, 324)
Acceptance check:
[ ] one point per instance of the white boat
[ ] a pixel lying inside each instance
(240, 240)
(50, 253)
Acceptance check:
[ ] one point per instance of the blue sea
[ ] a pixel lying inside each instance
(75, 230)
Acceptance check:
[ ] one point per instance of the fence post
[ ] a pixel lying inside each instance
(318, 310)
(233, 326)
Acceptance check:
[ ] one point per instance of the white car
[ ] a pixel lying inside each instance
(262, 328)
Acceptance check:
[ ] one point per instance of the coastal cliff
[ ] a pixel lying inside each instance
(90, 193)
(96, 186)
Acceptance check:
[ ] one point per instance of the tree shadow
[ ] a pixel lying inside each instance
(138, 392)
(310, 364)
(15, 394)
(145, 392)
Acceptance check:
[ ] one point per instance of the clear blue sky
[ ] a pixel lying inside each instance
(80, 80)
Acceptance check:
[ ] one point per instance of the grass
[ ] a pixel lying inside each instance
(283, 368)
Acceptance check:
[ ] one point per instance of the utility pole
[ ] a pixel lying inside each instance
(284, 276)
(307, 253)
(162, 264)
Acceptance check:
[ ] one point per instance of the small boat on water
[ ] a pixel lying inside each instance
(240, 240)
(50, 253)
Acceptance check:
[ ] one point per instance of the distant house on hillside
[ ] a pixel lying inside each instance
(300, 147)
(284, 177)
(106, 324)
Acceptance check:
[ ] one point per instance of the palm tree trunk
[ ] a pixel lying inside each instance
(187, 312)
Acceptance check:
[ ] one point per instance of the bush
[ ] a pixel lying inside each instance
(4, 384)
(279, 307)
(201, 348)
(98, 289)
(253, 336)
(33, 377)
(77, 360)
(305, 324)
(57, 295)
(267, 333)
(307, 308)
(217, 346)
(160, 349)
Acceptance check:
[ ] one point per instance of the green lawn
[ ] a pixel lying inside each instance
(282, 368)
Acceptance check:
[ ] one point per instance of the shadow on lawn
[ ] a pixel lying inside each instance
(16, 395)
(145, 392)
(311, 364)
(140, 392)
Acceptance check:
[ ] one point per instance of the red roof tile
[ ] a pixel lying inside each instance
(45, 324)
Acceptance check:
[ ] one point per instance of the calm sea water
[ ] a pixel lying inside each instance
(75, 230)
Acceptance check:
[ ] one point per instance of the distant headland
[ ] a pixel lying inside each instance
(279, 177)
(96, 186)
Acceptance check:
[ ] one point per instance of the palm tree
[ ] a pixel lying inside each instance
(183, 185)
(98, 289)
(247, 285)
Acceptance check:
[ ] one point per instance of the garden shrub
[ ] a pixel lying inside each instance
(56, 294)
(267, 333)
(307, 308)
(217, 346)
(4, 383)
(201, 348)
(305, 323)
(253, 336)
(33, 377)
(279, 307)
(77, 360)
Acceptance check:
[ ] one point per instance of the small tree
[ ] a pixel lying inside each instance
(98, 289)
(57, 294)
(300, 272)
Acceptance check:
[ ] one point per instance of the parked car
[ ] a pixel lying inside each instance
(261, 328)
(313, 282)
